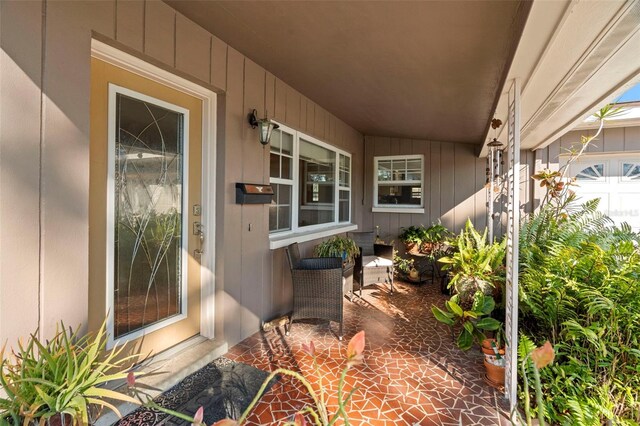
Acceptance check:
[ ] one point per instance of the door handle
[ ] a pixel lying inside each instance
(198, 229)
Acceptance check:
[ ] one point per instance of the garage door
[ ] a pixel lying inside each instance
(615, 179)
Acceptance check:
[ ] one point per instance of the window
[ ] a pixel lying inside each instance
(311, 181)
(398, 182)
(630, 172)
(594, 173)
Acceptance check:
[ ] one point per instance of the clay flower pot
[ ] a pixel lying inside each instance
(495, 374)
(412, 248)
(487, 348)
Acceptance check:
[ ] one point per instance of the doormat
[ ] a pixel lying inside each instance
(223, 387)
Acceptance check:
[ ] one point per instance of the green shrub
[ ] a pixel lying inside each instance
(580, 288)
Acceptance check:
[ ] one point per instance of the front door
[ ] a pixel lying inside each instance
(145, 189)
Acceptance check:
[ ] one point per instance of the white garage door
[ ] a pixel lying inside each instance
(615, 179)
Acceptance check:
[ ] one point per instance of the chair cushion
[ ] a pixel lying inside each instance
(375, 262)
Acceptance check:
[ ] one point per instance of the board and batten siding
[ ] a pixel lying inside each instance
(454, 179)
(44, 157)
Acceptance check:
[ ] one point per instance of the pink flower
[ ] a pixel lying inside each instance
(299, 420)
(355, 348)
(197, 418)
(310, 349)
(225, 422)
(543, 355)
(131, 379)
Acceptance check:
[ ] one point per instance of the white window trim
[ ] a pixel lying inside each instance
(397, 208)
(298, 233)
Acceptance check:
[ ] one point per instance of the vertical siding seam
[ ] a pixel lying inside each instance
(43, 35)
(144, 26)
(210, 59)
(175, 39)
(115, 19)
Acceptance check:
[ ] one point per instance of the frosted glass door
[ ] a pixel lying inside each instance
(148, 216)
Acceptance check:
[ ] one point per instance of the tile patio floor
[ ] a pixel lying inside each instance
(412, 374)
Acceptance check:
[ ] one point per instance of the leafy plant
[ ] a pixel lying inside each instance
(476, 265)
(412, 235)
(471, 323)
(579, 288)
(337, 246)
(401, 265)
(60, 376)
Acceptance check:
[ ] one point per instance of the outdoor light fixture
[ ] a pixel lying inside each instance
(266, 126)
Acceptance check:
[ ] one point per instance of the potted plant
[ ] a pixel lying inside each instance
(471, 323)
(58, 381)
(412, 238)
(338, 246)
(405, 268)
(433, 238)
(475, 265)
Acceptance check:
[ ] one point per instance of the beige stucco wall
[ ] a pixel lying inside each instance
(44, 157)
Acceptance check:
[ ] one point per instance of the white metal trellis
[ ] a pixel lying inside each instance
(513, 228)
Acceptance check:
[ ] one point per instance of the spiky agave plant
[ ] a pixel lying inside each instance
(60, 377)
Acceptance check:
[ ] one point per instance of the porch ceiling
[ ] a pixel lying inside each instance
(426, 69)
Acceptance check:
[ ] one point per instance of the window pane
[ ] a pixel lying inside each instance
(317, 185)
(274, 166)
(287, 170)
(280, 209)
(284, 218)
(148, 214)
(275, 140)
(414, 176)
(345, 169)
(414, 164)
(384, 170)
(343, 207)
(287, 143)
(400, 194)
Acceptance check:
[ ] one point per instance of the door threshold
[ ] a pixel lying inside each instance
(167, 369)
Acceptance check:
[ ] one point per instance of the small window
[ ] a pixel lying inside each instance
(630, 172)
(398, 181)
(591, 173)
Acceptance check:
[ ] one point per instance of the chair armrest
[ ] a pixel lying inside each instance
(383, 250)
(313, 263)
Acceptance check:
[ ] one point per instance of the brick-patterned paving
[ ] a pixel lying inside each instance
(413, 374)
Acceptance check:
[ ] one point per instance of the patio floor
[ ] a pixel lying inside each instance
(413, 374)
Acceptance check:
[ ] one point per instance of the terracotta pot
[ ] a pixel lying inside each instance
(427, 248)
(487, 349)
(495, 374)
(412, 248)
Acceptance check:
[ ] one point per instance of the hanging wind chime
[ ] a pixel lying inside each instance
(495, 163)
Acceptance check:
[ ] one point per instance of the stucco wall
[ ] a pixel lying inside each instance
(44, 156)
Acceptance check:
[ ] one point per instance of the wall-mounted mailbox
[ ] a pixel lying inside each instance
(251, 193)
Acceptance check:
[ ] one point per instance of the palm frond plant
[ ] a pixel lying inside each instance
(61, 378)
(338, 246)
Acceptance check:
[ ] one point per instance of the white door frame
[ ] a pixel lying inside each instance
(137, 66)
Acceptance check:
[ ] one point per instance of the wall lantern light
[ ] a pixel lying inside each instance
(266, 126)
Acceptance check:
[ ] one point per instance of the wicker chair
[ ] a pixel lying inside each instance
(317, 287)
(375, 262)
